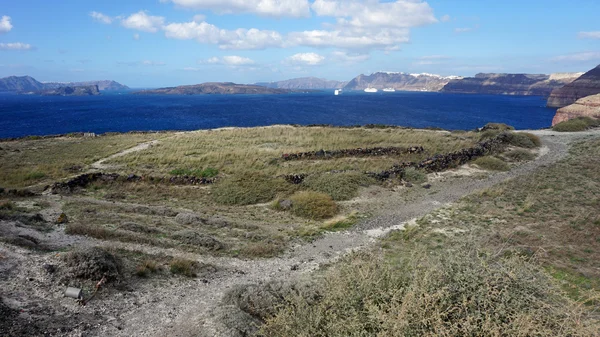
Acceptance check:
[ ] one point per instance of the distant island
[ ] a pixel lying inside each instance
(304, 83)
(29, 85)
(215, 88)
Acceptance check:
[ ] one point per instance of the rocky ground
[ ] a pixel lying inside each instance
(32, 281)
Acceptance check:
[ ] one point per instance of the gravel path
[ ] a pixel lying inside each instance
(190, 305)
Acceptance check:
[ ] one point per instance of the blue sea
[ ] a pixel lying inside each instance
(22, 115)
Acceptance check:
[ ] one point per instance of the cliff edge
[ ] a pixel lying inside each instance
(584, 107)
(586, 85)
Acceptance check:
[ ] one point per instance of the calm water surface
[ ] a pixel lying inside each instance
(22, 115)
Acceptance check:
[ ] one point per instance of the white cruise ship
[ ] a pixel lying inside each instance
(369, 89)
(389, 90)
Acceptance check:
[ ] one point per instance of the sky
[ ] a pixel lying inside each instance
(154, 43)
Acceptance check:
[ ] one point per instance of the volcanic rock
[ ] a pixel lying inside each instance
(586, 85)
(584, 107)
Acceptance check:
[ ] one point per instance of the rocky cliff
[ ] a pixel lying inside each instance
(304, 83)
(20, 84)
(586, 85)
(215, 88)
(584, 107)
(27, 84)
(399, 81)
(106, 85)
(87, 90)
(510, 84)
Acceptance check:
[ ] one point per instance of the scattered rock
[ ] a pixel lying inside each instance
(426, 186)
(49, 268)
(408, 184)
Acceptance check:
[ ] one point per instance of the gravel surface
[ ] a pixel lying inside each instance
(186, 307)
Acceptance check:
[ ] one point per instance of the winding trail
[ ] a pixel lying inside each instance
(187, 308)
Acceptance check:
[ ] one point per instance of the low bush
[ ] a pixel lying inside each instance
(497, 126)
(183, 267)
(519, 155)
(576, 124)
(415, 176)
(313, 205)
(491, 163)
(464, 293)
(488, 134)
(35, 175)
(249, 188)
(524, 139)
(146, 268)
(93, 264)
(340, 186)
(262, 249)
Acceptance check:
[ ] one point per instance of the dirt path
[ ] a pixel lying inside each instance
(100, 164)
(186, 309)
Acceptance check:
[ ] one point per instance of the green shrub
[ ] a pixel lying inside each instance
(520, 155)
(523, 139)
(34, 176)
(491, 163)
(464, 293)
(340, 186)
(415, 176)
(313, 205)
(208, 172)
(576, 124)
(488, 134)
(497, 126)
(249, 188)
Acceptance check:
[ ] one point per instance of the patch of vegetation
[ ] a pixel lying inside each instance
(103, 233)
(489, 134)
(94, 263)
(519, 155)
(463, 293)
(34, 175)
(183, 267)
(146, 268)
(576, 124)
(524, 139)
(340, 186)
(491, 163)
(341, 223)
(497, 126)
(249, 188)
(208, 172)
(313, 205)
(414, 175)
(262, 249)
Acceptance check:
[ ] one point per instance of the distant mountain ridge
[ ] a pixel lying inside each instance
(510, 84)
(28, 84)
(586, 85)
(304, 83)
(214, 88)
(400, 81)
(82, 90)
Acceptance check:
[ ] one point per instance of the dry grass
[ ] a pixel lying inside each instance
(26, 162)
(491, 163)
(313, 205)
(576, 124)
(232, 151)
(464, 293)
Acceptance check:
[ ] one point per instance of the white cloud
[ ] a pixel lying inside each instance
(232, 60)
(310, 59)
(344, 57)
(15, 46)
(226, 39)
(99, 17)
(143, 22)
(578, 57)
(385, 38)
(273, 8)
(372, 13)
(589, 35)
(5, 25)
